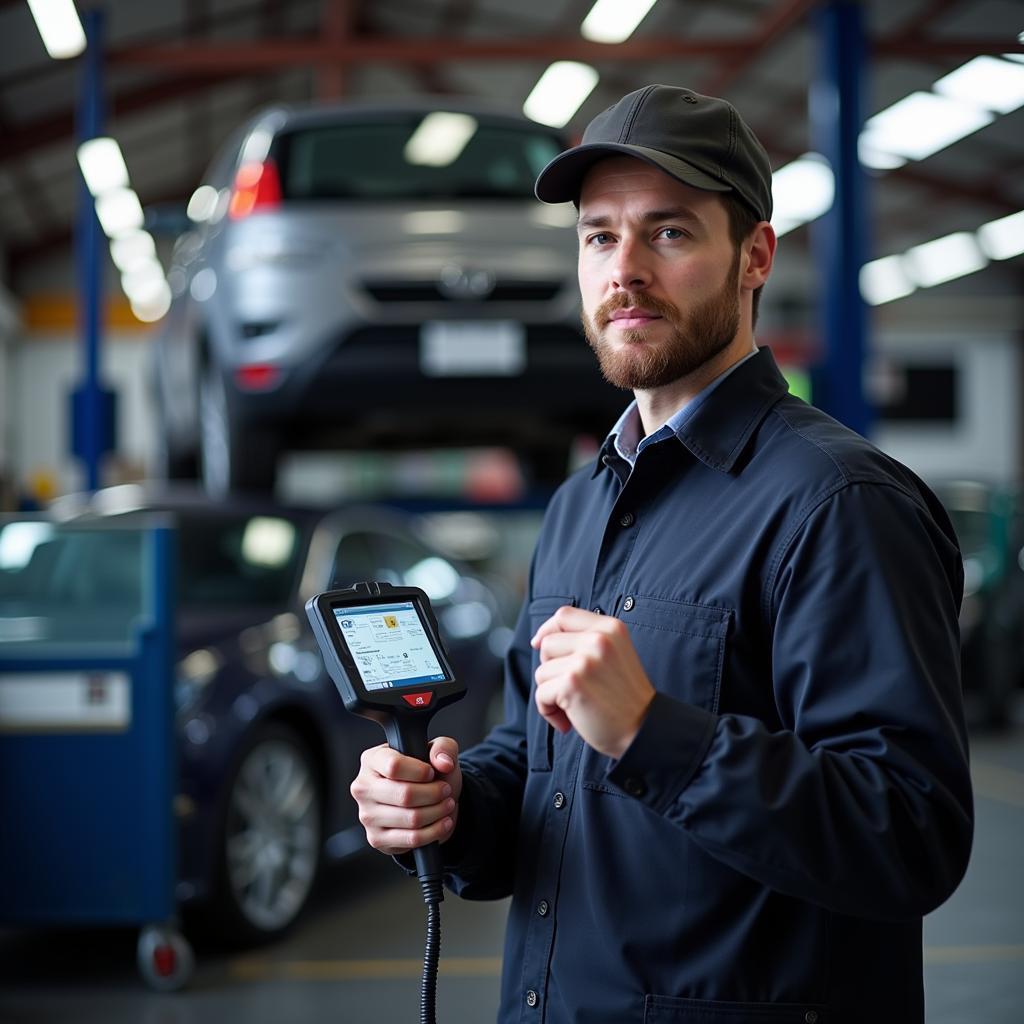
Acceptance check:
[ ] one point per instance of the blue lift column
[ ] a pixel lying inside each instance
(92, 406)
(839, 239)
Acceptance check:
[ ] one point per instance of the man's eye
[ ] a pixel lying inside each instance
(601, 238)
(671, 233)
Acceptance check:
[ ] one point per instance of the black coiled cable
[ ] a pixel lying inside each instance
(433, 894)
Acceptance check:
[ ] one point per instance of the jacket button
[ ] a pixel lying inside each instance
(559, 801)
(597, 610)
(627, 605)
(543, 907)
(637, 787)
(811, 1017)
(531, 998)
(628, 519)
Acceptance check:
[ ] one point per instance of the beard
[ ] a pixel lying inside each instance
(637, 364)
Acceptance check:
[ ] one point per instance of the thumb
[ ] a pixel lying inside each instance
(444, 754)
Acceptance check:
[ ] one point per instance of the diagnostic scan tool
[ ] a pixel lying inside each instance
(382, 649)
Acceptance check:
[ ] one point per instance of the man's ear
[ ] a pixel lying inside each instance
(758, 253)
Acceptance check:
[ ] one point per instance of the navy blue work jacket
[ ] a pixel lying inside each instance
(798, 796)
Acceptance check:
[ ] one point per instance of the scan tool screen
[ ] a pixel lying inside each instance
(389, 645)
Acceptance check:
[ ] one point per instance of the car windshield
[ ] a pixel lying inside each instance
(236, 561)
(88, 582)
(434, 156)
(71, 584)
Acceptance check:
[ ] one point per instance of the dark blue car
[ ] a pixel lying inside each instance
(266, 750)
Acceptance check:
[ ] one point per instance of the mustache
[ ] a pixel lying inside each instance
(629, 300)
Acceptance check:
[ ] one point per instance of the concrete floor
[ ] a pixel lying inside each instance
(356, 957)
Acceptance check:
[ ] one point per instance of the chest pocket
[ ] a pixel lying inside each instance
(681, 646)
(540, 737)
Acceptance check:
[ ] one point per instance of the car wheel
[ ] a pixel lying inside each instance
(231, 459)
(270, 837)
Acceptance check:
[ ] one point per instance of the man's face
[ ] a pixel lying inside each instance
(658, 272)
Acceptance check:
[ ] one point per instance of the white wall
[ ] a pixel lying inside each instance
(985, 442)
(44, 369)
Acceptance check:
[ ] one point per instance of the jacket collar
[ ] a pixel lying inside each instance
(718, 431)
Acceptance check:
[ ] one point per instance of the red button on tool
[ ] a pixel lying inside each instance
(418, 700)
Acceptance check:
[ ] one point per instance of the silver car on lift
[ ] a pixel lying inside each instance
(371, 276)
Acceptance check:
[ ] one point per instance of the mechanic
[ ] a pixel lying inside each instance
(733, 773)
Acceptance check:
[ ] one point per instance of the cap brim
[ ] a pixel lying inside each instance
(561, 180)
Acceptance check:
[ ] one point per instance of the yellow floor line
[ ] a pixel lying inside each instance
(994, 782)
(256, 969)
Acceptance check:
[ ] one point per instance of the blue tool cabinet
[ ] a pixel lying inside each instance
(87, 750)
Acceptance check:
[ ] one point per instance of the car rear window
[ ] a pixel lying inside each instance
(374, 160)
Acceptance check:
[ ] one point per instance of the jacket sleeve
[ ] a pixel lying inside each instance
(480, 856)
(861, 803)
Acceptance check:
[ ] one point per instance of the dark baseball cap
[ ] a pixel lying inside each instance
(699, 140)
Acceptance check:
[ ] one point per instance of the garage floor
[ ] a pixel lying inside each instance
(357, 956)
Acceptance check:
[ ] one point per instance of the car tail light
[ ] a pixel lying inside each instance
(257, 187)
(257, 377)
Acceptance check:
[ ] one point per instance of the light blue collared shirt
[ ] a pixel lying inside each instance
(626, 434)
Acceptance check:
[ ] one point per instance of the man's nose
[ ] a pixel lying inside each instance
(630, 270)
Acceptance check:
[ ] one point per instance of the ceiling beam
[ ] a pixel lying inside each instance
(418, 50)
(59, 128)
(929, 48)
(337, 22)
(776, 24)
(260, 56)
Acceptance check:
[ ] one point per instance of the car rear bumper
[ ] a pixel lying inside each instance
(372, 387)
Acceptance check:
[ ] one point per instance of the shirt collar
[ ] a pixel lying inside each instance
(716, 425)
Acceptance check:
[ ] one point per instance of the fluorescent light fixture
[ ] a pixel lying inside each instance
(60, 27)
(154, 305)
(202, 204)
(102, 165)
(119, 212)
(802, 191)
(257, 147)
(921, 124)
(433, 222)
(1004, 238)
(875, 159)
(132, 250)
(560, 92)
(944, 259)
(884, 280)
(439, 139)
(986, 82)
(143, 281)
(612, 21)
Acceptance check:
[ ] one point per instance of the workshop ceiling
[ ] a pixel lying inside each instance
(181, 74)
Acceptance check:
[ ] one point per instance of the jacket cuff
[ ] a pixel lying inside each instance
(665, 754)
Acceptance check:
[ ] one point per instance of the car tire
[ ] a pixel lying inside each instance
(269, 840)
(231, 458)
(169, 463)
